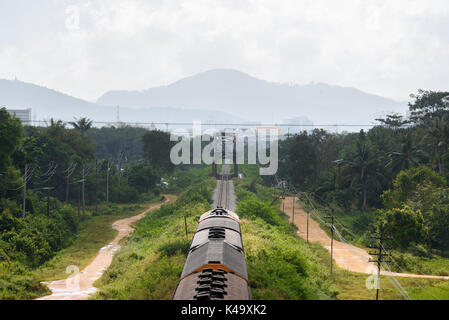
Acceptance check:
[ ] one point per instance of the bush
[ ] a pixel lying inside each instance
(18, 283)
(35, 239)
(407, 182)
(405, 225)
(125, 194)
(174, 248)
(253, 208)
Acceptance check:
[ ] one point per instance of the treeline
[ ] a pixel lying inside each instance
(399, 166)
(50, 178)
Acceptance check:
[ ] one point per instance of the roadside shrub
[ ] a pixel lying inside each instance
(174, 248)
(404, 224)
(35, 239)
(252, 208)
(124, 194)
(18, 283)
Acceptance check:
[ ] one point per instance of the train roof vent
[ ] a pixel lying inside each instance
(219, 212)
(217, 233)
(212, 285)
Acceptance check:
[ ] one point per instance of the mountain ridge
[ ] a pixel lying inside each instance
(247, 96)
(224, 95)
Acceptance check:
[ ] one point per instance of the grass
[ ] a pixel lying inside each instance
(349, 285)
(280, 264)
(355, 226)
(92, 236)
(352, 286)
(149, 265)
(283, 267)
(18, 282)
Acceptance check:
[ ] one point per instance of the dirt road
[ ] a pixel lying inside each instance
(346, 256)
(81, 284)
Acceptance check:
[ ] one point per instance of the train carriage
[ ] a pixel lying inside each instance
(215, 268)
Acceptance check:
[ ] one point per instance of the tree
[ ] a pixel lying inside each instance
(156, 147)
(10, 136)
(408, 156)
(142, 177)
(82, 125)
(394, 121)
(362, 168)
(302, 161)
(428, 105)
(404, 224)
(433, 202)
(437, 135)
(407, 182)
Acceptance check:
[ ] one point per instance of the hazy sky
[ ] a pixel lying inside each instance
(388, 47)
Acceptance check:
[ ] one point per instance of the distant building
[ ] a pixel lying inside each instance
(24, 115)
(298, 125)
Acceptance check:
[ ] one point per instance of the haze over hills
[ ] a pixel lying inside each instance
(251, 98)
(47, 103)
(225, 96)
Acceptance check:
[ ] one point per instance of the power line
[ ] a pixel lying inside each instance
(248, 124)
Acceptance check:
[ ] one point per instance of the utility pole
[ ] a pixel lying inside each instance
(120, 166)
(96, 186)
(293, 209)
(83, 185)
(185, 223)
(25, 189)
(308, 218)
(380, 257)
(332, 218)
(5, 184)
(79, 200)
(48, 199)
(67, 190)
(70, 171)
(107, 182)
(283, 202)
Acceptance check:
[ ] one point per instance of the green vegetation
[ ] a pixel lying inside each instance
(18, 280)
(44, 174)
(352, 286)
(93, 234)
(280, 264)
(151, 262)
(392, 179)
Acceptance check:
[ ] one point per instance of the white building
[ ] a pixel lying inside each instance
(24, 115)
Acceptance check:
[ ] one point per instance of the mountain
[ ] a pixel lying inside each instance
(47, 103)
(257, 100)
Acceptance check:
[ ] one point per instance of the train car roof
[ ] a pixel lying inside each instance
(220, 213)
(212, 285)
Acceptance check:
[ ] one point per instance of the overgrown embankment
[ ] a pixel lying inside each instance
(22, 280)
(151, 262)
(280, 265)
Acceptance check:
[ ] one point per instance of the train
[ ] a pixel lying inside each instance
(215, 268)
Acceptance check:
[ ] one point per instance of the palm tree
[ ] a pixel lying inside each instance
(438, 136)
(82, 125)
(408, 156)
(362, 168)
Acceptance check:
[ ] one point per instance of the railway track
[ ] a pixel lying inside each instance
(215, 268)
(223, 192)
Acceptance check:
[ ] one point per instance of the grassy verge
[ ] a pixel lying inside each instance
(280, 264)
(19, 282)
(344, 284)
(352, 286)
(92, 236)
(151, 262)
(356, 226)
